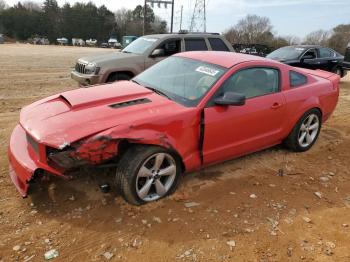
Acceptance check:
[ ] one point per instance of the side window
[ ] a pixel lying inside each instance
(195, 44)
(326, 53)
(253, 82)
(310, 53)
(170, 47)
(297, 79)
(217, 44)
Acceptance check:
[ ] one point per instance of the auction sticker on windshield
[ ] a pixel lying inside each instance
(207, 70)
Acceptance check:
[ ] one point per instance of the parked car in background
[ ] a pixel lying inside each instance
(249, 51)
(78, 42)
(257, 49)
(40, 41)
(104, 45)
(62, 41)
(114, 43)
(128, 39)
(91, 42)
(187, 112)
(141, 54)
(311, 57)
(2, 39)
(346, 63)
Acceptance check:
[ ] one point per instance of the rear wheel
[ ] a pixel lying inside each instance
(305, 132)
(338, 71)
(118, 77)
(147, 173)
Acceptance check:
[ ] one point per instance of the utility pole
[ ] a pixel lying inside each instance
(144, 18)
(159, 2)
(172, 17)
(205, 18)
(182, 8)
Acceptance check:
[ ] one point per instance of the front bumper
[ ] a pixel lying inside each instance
(85, 80)
(25, 161)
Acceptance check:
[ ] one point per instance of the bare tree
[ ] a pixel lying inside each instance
(340, 38)
(292, 40)
(3, 5)
(123, 17)
(319, 37)
(31, 5)
(251, 30)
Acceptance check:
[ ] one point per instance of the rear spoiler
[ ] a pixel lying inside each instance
(319, 73)
(334, 78)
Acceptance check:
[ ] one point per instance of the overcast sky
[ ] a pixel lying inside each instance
(289, 17)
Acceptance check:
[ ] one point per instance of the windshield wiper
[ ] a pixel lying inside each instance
(155, 90)
(159, 92)
(127, 52)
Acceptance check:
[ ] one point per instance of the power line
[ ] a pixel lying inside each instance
(159, 2)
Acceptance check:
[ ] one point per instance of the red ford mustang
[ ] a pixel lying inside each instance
(187, 112)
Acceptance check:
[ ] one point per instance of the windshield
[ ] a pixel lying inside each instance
(286, 53)
(182, 80)
(140, 45)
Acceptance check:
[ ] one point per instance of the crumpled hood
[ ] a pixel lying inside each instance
(70, 116)
(107, 58)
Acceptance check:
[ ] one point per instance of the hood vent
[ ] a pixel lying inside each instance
(131, 103)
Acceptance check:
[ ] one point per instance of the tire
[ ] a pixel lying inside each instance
(118, 77)
(132, 183)
(295, 139)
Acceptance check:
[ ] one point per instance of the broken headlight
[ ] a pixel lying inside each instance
(91, 151)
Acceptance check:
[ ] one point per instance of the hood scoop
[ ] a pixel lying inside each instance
(131, 103)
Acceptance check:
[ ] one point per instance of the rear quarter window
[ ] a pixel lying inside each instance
(296, 79)
(217, 44)
(195, 44)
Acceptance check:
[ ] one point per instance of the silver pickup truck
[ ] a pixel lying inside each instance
(141, 54)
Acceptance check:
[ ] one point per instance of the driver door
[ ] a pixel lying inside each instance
(309, 59)
(231, 131)
(170, 47)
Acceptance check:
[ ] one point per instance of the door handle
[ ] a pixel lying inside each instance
(276, 105)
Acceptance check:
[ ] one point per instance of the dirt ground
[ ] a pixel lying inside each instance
(246, 211)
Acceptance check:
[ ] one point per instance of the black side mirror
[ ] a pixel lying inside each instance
(231, 99)
(158, 52)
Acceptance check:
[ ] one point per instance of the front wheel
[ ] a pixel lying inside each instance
(305, 132)
(118, 77)
(147, 173)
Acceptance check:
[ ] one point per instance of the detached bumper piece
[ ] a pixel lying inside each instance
(27, 158)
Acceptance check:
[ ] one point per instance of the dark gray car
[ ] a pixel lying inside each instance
(311, 57)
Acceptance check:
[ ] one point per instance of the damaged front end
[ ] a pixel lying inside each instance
(31, 160)
(93, 151)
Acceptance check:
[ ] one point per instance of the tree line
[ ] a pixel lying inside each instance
(27, 19)
(255, 29)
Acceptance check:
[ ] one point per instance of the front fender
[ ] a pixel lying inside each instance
(146, 135)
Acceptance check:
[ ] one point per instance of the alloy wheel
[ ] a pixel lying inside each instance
(155, 177)
(308, 130)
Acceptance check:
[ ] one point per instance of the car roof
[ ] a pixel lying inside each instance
(304, 46)
(222, 58)
(194, 35)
